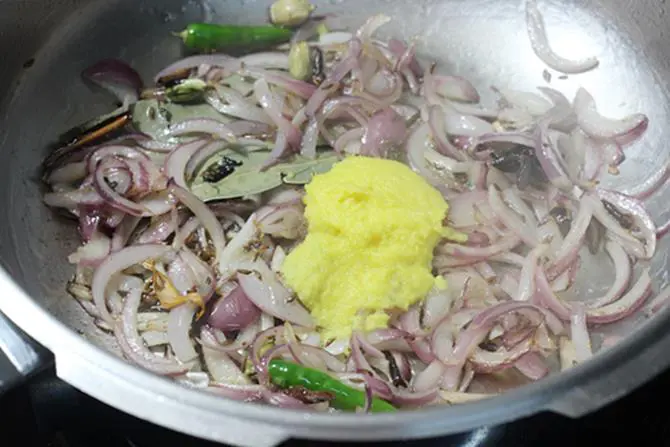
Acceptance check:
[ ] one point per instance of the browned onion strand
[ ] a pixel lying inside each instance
(520, 178)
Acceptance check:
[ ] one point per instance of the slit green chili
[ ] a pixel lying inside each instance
(286, 375)
(211, 37)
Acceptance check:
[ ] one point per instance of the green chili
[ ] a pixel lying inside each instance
(210, 37)
(286, 374)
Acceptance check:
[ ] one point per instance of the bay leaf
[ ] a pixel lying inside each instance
(154, 119)
(247, 178)
(301, 170)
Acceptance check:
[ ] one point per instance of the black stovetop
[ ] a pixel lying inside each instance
(47, 412)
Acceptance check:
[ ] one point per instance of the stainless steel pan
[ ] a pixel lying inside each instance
(45, 43)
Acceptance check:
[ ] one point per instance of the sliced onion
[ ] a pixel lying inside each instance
(482, 324)
(261, 361)
(310, 139)
(371, 25)
(273, 107)
(626, 305)
(378, 386)
(460, 397)
(436, 121)
(617, 232)
(145, 142)
(429, 378)
(558, 98)
(282, 400)
(634, 207)
(180, 275)
(406, 398)
(299, 88)
(236, 105)
(216, 60)
(410, 321)
(550, 159)
(349, 63)
(405, 56)
(533, 103)
(538, 40)
(155, 338)
(179, 326)
(436, 306)
(358, 356)
(269, 59)
(417, 147)
(123, 232)
(467, 125)
(464, 207)
(526, 288)
(569, 250)
(207, 126)
(152, 321)
(580, 333)
(157, 204)
(350, 141)
(245, 338)
(489, 362)
(566, 353)
(511, 220)
(92, 252)
(475, 110)
(471, 255)
(131, 343)
(518, 332)
(533, 366)
(545, 297)
(141, 183)
(245, 393)
(114, 150)
(367, 347)
(206, 218)
(115, 263)
(68, 173)
(219, 364)
(390, 340)
(382, 83)
(202, 274)
(456, 88)
(520, 138)
(234, 311)
(509, 285)
(117, 77)
(452, 167)
(623, 271)
(610, 313)
(273, 298)
(175, 163)
(597, 126)
(442, 340)
(386, 129)
(203, 154)
(72, 199)
(161, 228)
(369, 396)
(111, 197)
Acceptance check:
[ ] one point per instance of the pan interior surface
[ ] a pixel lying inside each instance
(482, 40)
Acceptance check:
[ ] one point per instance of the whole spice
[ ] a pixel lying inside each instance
(290, 12)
